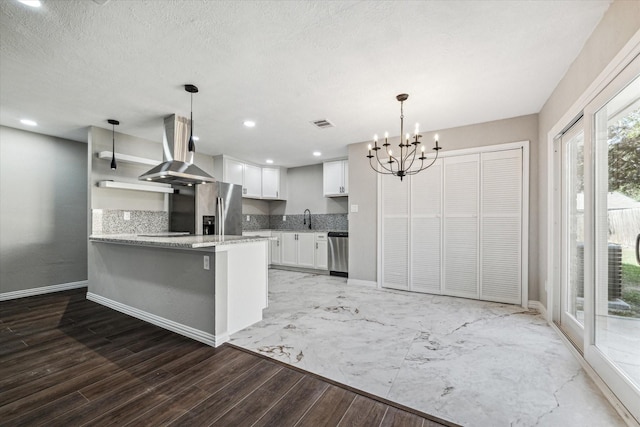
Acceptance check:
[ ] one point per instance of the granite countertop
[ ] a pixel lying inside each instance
(174, 241)
(294, 231)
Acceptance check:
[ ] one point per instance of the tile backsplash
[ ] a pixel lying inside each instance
(323, 222)
(256, 222)
(112, 221)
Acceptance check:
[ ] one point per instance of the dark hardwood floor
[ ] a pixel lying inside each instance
(68, 361)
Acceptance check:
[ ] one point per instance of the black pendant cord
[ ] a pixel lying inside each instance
(192, 145)
(113, 124)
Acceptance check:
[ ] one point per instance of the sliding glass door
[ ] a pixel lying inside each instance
(617, 230)
(597, 232)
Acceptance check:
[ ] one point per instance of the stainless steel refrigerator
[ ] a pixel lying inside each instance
(212, 208)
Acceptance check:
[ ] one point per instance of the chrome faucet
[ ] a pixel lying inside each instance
(304, 218)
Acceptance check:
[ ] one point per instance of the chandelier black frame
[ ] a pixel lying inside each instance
(408, 150)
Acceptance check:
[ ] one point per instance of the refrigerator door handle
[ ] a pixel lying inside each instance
(219, 213)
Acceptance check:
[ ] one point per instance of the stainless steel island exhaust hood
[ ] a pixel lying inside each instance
(177, 166)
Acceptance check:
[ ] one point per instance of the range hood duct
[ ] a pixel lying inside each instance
(177, 166)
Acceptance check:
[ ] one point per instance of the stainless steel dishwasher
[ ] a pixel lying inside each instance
(339, 253)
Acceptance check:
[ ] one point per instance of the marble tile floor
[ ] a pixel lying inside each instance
(471, 362)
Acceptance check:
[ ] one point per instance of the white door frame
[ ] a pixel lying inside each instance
(601, 90)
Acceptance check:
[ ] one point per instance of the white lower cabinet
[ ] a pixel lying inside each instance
(276, 248)
(322, 256)
(306, 250)
(289, 248)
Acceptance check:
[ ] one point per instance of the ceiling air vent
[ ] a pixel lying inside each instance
(322, 124)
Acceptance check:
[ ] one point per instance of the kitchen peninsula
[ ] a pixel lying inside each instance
(203, 287)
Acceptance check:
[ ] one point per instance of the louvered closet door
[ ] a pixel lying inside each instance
(395, 232)
(501, 227)
(460, 240)
(426, 229)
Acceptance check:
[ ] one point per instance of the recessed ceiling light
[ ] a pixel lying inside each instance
(28, 122)
(249, 123)
(317, 153)
(269, 161)
(32, 3)
(196, 138)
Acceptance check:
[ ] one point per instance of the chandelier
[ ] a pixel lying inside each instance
(403, 164)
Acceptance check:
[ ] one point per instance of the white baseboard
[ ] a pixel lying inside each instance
(179, 328)
(358, 282)
(5, 296)
(537, 306)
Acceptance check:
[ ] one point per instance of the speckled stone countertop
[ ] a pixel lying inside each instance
(175, 241)
(293, 231)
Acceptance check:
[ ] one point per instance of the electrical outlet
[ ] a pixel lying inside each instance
(354, 208)
(248, 218)
(206, 262)
(127, 216)
(284, 218)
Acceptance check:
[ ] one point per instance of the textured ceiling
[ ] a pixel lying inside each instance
(75, 63)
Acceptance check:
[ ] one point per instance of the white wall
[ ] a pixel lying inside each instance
(363, 189)
(43, 219)
(619, 24)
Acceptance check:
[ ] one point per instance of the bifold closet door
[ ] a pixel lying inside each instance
(501, 227)
(395, 232)
(460, 238)
(426, 229)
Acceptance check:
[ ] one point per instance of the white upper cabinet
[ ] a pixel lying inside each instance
(336, 178)
(252, 181)
(233, 172)
(273, 180)
(257, 182)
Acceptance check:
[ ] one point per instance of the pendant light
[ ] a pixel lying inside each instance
(191, 89)
(113, 124)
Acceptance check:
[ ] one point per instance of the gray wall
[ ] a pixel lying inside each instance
(619, 24)
(109, 198)
(363, 189)
(43, 217)
(304, 191)
(255, 207)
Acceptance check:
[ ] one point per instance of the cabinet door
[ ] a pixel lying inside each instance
(345, 177)
(276, 248)
(306, 250)
(460, 240)
(233, 172)
(252, 181)
(270, 183)
(333, 178)
(426, 229)
(395, 233)
(289, 247)
(501, 227)
(322, 256)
